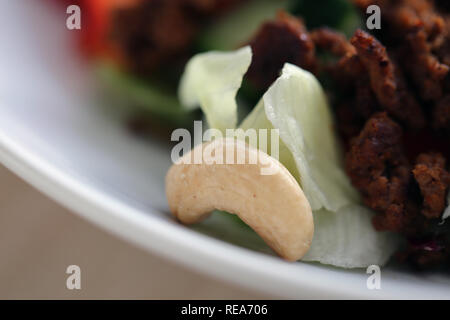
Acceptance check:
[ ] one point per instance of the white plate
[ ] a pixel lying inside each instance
(54, 134)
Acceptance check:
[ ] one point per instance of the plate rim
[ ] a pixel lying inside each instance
(216, 258)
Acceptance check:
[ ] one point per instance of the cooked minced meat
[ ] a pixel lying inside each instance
(156, 32)
(378, 167)
(406, 182)
(433, 180)
(277, 42)
(386, 80)
(419, 33)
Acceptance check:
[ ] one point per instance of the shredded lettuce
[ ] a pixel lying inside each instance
(211, 81)
(347, 239)
(257, 119)
(296, 105)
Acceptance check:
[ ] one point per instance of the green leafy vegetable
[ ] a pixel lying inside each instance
(297, 106)
(257, 119)
(211, 81)
(347, 239)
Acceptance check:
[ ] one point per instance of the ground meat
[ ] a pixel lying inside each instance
(433, 181)
(277, 42)
(154, 33)
(410, 79)
(365, 60)
(351, 79)
(386, 82)
(348, 67)
(420, 34)
(403, 16)
(370, 77)
(365, 100)
(426, 70)
(378, 168)
(332, 41)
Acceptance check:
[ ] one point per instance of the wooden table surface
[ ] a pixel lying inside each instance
(39, 239)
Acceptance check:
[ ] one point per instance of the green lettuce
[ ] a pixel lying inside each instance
(347, 239)
(296, 104)
(211, 80)
(257, 119)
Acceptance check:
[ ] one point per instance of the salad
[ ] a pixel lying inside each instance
(361, 117)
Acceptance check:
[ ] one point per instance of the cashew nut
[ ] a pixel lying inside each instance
(272, 205)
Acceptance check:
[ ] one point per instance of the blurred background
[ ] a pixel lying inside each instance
(39, 239)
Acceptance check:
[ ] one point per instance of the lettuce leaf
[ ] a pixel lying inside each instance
(296, 104)
(347, 239)
(257, 119)
(211, 81)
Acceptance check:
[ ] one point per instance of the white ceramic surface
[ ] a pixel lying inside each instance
(55, 135)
